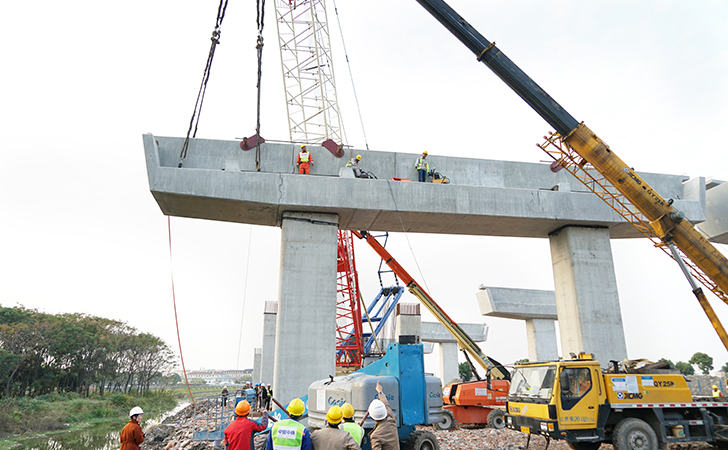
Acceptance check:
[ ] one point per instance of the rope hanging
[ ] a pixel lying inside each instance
(205, 77)
(260, 5)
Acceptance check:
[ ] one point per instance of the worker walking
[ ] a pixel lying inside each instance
(384, 436)
(422, 166)
(224, 396)
(348, 425)
(131, 435)
(304, 160)
(288, 434)
(239, 434)
(331, 437)
(263, 398)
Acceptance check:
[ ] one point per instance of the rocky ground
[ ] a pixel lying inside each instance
(175, 433)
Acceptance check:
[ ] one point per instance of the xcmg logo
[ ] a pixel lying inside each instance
(629, 396)
(336, 401)
(632, 175)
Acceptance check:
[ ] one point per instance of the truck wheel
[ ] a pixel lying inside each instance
(496, 419)
(448, 421)
(421, 440)
(634, 434)
(585, 445)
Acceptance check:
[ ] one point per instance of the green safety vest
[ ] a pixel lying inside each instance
(422, 164)
(287, 435)
(354, 430)
(303, 156)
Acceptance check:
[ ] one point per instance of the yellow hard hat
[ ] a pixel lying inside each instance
(296, 407)
(242, 408)
(358, 157)
(303, 145)
(334, 415)
(715, 387)
(425, 152)
(347, 410)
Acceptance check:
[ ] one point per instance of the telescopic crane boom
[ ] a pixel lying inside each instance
(667, 223)
(464, 341)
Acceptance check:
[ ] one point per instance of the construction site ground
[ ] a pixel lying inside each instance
(176, 433)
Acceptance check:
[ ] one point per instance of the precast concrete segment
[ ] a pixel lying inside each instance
(306, 326)
(436, 332)
(409, 325)
(517, 303)
(586, 294)
(270, 316)
(257, 361)
(715, 227)
(541, 337)
(485, 197)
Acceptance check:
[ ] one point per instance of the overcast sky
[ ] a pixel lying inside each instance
(82, 81)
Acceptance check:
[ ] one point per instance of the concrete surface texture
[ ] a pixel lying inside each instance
(590, 318)
(306, 325)
(485, 197)
(257, 364)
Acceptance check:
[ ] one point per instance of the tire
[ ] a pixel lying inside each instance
(634, 434)
(496, 419)
(448, 421)
(421, 440)
(585, 445)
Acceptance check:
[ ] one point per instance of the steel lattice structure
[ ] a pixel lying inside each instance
(308, 71)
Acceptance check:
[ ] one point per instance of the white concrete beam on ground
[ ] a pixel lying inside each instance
(268, 358)
(257, 359)
(587, 302)
(306, 325)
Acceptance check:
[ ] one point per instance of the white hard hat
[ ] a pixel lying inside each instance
(135, 410)
(377, 410)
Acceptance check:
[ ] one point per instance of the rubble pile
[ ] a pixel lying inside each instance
(461, 438)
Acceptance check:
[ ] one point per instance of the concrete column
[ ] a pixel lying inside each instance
(409, 321)
(587, 302)
(448, 362)
(268, 357)
(541, 334)
(256, 365)
(306, 326)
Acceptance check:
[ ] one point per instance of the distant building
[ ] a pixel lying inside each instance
(213, 376)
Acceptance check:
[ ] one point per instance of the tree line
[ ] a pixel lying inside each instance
(44, 353)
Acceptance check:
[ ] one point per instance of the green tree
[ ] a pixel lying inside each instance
(684, 368)
(703, 361)
(465, 372)
(672, 365)
(522, 361)
(725, 368)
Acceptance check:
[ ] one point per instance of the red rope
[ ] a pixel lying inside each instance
(174, 302)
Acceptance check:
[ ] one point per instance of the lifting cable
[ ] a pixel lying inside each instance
(176, 320)
(245, 293)
(351, 76)
(205, 77)
(260, 6)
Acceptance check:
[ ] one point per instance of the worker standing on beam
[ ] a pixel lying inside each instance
(422, 166)
(304, 160)
(289, 433)
(351, 427)
(239, 434)
(331, 437)
(384, 436)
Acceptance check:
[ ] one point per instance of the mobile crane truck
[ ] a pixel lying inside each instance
(575, 401)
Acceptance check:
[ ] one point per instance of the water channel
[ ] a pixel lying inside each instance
(98, 436)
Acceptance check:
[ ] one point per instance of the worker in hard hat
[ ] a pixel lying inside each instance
(270, 397)
(305, 160)
(131, 435)
(349, 425)
(288, 433)
(239, 434)
(422, 166)
(384, 436)
(331, 437)
(716, 391)
(354, 164)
